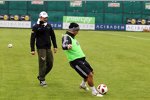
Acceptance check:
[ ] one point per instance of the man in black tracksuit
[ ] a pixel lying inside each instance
(43, 34)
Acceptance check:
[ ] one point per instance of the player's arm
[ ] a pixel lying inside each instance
(66, 42)
(32, 41)
(53, 38)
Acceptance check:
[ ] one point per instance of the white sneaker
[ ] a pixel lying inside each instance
(84, 87)
(97, 94)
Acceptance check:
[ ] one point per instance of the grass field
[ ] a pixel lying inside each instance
(121, 60)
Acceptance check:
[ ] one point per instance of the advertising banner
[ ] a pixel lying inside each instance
(117, 27)
(76, 3)
(137, 27)
(55, 25)
(114, 5)
(15, 24)
(2, 2)
(37, 2)
(147, 5)
(84, 22)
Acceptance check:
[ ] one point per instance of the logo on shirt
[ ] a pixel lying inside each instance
(77, 43)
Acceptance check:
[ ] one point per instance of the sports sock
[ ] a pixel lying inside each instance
(83, 83)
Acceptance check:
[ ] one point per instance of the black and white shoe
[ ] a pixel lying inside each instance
(42, 83)
(84, 88)
(97, 94)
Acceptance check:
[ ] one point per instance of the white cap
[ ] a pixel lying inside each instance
(43, 14)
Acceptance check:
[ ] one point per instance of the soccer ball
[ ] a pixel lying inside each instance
(10, 45)
(102, 89)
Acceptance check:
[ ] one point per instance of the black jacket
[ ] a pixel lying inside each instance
(43, 35)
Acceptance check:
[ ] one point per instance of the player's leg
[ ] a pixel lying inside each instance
(42, 66)
(76, 65)
(90, 79)
(87, 74)
(91, 83)
(49, 61)
(88, 69)
(81, 69)
(88, 66)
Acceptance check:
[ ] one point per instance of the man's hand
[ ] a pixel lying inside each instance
(69, 46)
(55, 50)
(32, 52)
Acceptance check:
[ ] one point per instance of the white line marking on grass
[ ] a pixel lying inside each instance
(128, 36)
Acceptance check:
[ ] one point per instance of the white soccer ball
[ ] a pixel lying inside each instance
(10, 45)
(102, 89)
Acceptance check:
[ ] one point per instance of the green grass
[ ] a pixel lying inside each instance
(121, 60)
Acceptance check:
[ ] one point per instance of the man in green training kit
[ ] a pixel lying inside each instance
(77, 59)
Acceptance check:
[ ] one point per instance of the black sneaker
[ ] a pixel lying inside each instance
(42, 83)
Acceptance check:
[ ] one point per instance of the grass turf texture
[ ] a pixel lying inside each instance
(121, 60)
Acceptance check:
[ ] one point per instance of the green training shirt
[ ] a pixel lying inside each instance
(75, 52)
